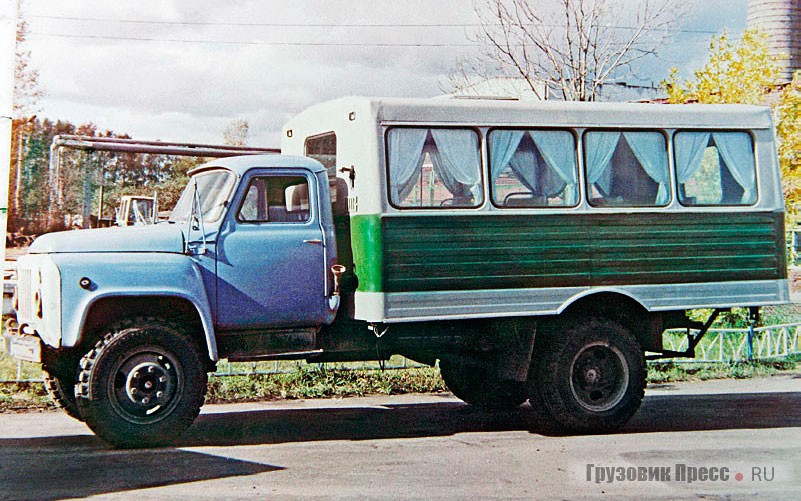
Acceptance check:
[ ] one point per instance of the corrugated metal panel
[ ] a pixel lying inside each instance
(474, 252)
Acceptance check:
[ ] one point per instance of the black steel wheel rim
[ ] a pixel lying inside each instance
(599, 377)
(145, 385)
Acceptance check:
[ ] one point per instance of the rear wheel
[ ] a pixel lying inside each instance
(476, 383)
(143, 384)
(587, 377)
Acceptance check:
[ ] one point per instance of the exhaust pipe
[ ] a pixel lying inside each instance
(337, 271)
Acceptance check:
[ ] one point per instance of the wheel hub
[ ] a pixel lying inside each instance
(592, 375)
(147, 384)
(599, 377)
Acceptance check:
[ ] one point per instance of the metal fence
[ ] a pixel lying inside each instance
(734, 345)
(719, 345)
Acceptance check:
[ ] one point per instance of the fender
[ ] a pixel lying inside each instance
(87, 278)
(593, 291)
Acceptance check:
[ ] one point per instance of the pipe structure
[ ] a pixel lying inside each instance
(125, 145)
(160, 147)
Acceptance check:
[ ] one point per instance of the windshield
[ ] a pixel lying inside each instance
(213, 189)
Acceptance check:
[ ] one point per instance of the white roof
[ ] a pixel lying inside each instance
(548, 113)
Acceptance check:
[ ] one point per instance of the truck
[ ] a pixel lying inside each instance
(137, 210)
(132, 210)
(536, 252)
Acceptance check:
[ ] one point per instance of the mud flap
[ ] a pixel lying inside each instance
(516, 345)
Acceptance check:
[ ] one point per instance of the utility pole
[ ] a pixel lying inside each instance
(8, 45)
(20, 155)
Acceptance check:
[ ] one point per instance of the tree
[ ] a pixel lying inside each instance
(26, 95)
(736, 72)
(236, 133)
(173, 185)
(789, 133)
(26, 79)
(572, 50)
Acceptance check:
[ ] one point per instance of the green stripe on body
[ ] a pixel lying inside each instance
(368, 253)
(467, 252)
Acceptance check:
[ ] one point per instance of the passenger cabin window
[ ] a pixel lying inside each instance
(323, 148)
(715, 168)
(626, 169)
(275, 199)
(533, 168)
(434, 168)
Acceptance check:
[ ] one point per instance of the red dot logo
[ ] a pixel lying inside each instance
(738, 477)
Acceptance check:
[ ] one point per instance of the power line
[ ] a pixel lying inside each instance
(262, 43)
(337, 25)
(231, 42)
(264, 25)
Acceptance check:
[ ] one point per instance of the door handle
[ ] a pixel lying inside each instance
(313, 241)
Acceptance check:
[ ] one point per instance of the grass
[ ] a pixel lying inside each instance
(309, 381)
(671, 372)
(9, 368)
(23, 397)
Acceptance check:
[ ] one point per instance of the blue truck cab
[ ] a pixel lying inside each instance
(127, 321)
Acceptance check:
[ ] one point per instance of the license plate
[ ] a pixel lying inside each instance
(28, 348)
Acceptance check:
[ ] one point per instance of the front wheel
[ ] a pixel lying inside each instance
(142, 384)
(588, 376)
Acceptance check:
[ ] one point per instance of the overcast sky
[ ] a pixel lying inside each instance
(182, 70)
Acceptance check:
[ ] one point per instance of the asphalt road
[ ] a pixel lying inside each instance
(689, 441)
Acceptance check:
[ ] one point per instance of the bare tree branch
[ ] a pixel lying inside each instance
(571, 49)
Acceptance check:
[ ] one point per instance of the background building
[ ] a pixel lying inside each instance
(781, 19)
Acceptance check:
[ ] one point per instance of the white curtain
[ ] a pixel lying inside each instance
(558, 151)
(651, 152)
(690, 147)
(551, 182)
(525, 165)
(405, 160)
(737, 153)
(502, 145)
(545, 169)
(457, 162)
(599, 147)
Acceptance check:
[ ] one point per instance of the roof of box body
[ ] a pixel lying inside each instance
(549, 113)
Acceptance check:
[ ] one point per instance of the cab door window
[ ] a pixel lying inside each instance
(275, 199)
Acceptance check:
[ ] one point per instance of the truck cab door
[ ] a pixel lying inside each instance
(272, 254)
